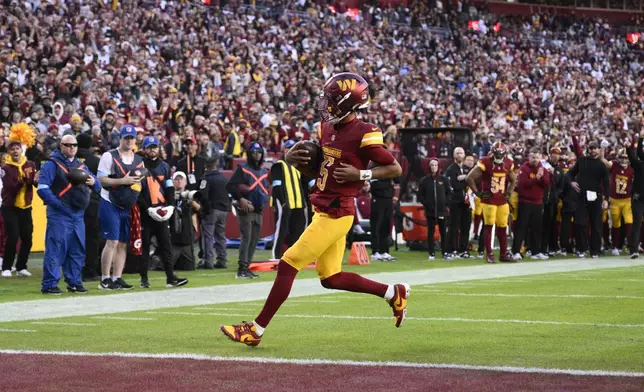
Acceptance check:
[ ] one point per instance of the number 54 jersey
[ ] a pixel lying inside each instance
(351, 144)
(495, 179)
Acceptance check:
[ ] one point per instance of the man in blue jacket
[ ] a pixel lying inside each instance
(66, 204)
(249, 188)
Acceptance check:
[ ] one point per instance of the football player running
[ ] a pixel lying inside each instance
(348, 144)
(498, 180)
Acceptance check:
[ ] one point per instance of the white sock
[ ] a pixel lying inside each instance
(390, 292)
(260, 330)
(106, 277)
(115, 278)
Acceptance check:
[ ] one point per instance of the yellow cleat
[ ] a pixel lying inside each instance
(399, 302)
(243, 333)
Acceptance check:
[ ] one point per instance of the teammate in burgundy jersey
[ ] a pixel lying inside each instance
(497, 181)
(348, 145)
(621, 182)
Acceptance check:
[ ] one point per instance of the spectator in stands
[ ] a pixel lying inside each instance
(192, 164)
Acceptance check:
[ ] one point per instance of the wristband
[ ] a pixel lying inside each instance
(365, 175)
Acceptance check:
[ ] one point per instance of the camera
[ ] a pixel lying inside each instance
(189, 195)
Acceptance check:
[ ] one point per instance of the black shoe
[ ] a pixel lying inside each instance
(220, 266)
(634, 256)
(176, 281)
(76, 289)
(204, 266)
(465, 255)
(246, 274)
(145, 283)
(108, 284)
(122, 284)
(54, 291)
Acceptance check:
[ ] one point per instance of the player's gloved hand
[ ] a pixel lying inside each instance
(507, 197)
(484, 195)
(154, 214)
(165, 213)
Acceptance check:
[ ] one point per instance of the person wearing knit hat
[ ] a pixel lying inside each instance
(433, 193)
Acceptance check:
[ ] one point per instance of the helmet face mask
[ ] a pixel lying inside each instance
(498, 153)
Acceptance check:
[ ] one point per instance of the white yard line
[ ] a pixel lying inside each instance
(446, 319)
(124, 318)
(17, 330)
(62, 323)
(582, 296)
(187, 296)
(309, 362)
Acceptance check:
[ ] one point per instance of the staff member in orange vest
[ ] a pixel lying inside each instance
(17, 193)
(249, 187)
(192, 164)
(157, 207)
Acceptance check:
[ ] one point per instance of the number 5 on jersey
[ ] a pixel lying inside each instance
(324, 172)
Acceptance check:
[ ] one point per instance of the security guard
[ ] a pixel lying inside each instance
(288, 203)
(232, 148)
(249, 188)
(66, 204)
(382, 212)
(157, 207)
(215, 206)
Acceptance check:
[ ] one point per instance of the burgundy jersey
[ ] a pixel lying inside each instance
(495, 179)
(621, 181)
(349, 143)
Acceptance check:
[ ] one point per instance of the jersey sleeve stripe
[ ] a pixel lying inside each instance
(371, 138)
(481, 166)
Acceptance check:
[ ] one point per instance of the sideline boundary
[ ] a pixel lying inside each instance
(199, 357)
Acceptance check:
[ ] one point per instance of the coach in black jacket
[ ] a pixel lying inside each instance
(433, 193)
(460, 214)
(92, 229)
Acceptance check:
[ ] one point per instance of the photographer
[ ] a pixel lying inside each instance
(182, 229)
(214, 198)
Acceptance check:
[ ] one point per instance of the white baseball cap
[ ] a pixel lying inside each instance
(179, 173)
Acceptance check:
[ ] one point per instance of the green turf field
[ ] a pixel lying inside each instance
(591, 320)
(21, 289)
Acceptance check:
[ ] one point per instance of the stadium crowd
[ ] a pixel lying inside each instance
(204, 79)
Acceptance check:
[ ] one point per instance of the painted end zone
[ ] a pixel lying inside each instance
(109, 372)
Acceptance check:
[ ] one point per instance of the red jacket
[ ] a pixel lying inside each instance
(13, 182)
(530, 188)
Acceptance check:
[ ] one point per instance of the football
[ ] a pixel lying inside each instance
(315, 153)
(77, 176)
(139, 172)
(162, 212)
